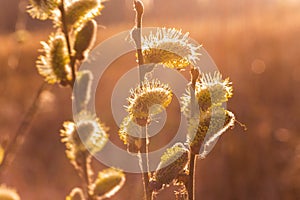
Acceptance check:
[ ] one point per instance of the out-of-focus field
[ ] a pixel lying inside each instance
(258, 51)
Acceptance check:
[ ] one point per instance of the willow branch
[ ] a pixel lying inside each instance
(67, 37)
(86, 160)
(23, 128)
(137, 37)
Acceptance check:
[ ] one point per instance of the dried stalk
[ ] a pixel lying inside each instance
(144, 160)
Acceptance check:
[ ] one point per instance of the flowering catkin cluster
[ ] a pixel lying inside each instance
(172, 163)
(108, 182)
(68, 46)
(90, 136)
(73, 19)
(202, 105)
(148, 99)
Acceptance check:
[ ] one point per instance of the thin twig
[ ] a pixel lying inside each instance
(86, 176)
(66, 34)
(190, 185)
(191, 180)
(23, 128)
(144, 164)
(137, 36)
(19, 26)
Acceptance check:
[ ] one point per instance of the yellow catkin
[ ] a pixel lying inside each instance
(85, 39)
(150, 98)
(90, 136)
(130, 134)
(173, 161)
(108, 182)
(71, 141)
(41, 9)
(82, 87)
(212, 89)
(93, 134)
(53, 65)
(214, 121)
(202, 105)
(81, 11)
(171, 48)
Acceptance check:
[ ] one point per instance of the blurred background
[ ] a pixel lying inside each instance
(256, 43)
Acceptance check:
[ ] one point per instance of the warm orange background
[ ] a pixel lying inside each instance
(255, 43)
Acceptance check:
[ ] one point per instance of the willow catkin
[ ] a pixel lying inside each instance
(53, 64)
(108, 182)
(82, 89)
(85, 39)
(151, 97)
(81, 11)
(41, 9)
(173, 162)
(171, 48)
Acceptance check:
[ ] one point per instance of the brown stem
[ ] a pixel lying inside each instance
(190, 184)
(144, 165)
(66, 34)
(86, 160)
(191, 180)
(85, 172)
(23, 128)
(86, 176)
(137, 37)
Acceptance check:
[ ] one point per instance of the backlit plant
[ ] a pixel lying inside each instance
(69, 45)
(73, 37)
